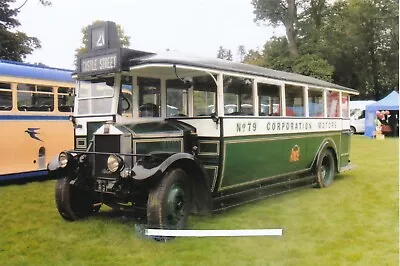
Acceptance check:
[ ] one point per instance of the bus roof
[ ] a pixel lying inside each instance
(24, 70)
(225, 65)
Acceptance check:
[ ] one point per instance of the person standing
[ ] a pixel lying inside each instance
(394, 122)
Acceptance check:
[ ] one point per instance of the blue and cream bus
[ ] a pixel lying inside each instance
(35, 103)
(240, 133)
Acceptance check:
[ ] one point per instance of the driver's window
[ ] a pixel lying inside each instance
(177, 98)
(149, 97)
(125, 99)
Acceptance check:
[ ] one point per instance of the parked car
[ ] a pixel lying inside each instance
(357, 115)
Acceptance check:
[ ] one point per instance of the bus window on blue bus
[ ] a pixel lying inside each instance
(294, 100)
(65, 99)
(35, 98)
(5, 97)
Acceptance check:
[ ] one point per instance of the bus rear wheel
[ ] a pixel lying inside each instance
(169, 202)
(325, 169)
(72, 202)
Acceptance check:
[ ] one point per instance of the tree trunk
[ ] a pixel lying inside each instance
(290, 25)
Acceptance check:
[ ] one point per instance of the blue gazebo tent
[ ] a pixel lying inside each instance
(390, 102)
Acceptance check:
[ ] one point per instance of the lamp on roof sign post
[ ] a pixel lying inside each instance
(98, 38)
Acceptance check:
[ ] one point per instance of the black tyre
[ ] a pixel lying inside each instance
(169, 202)
(352, 129)
(72, 202)
(325, 169)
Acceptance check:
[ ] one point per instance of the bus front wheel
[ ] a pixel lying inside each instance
(72, 202)
(325, 169)
(169, 202)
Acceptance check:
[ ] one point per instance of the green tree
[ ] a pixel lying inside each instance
(354, 43)
(254, 57)
(363, 38)
(14, 45)
(241, 52)
(224, 53)
(125, 40)
(280, 12)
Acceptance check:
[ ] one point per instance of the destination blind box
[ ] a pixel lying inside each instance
(105, 54)
(104, 50)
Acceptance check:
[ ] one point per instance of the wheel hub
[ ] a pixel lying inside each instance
(175, 204)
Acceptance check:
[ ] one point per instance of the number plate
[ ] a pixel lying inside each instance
(105, 186)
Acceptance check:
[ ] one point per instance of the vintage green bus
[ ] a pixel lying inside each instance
(173, 134)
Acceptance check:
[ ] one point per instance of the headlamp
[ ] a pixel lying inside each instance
(63, 159)
(114, 163)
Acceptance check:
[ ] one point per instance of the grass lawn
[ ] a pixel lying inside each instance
(353, 222)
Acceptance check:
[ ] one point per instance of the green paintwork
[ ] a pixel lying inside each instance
(259, 158)
(345, 149)
(152, 145)
(155, 127)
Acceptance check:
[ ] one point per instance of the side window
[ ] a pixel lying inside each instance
(177, 98)
(149, 97)
(65, 99)
(204, 96)
(362, 115)
(35, 98)
(345, 105)
(238, 96)
(5, 97)
(294, 100)
(269, 99)
(44, 99)
(315, 103)
(333, 103)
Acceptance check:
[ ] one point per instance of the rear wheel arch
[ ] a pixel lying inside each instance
(327, 143)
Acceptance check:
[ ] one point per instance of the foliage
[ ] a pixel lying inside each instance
(314, 66)
(14, 45)
(241, 52)
(353, 43)
(339, 225)
(254, 57)
(125, 40)
(367, 55)
(278, 12)
(224, 53)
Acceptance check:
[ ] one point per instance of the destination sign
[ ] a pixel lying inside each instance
(99, 63)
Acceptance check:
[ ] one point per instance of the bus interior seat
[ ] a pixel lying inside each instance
(148, 110)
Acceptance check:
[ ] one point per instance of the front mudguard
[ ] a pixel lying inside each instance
(55, 171)
(202, 200)
(157, 164)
